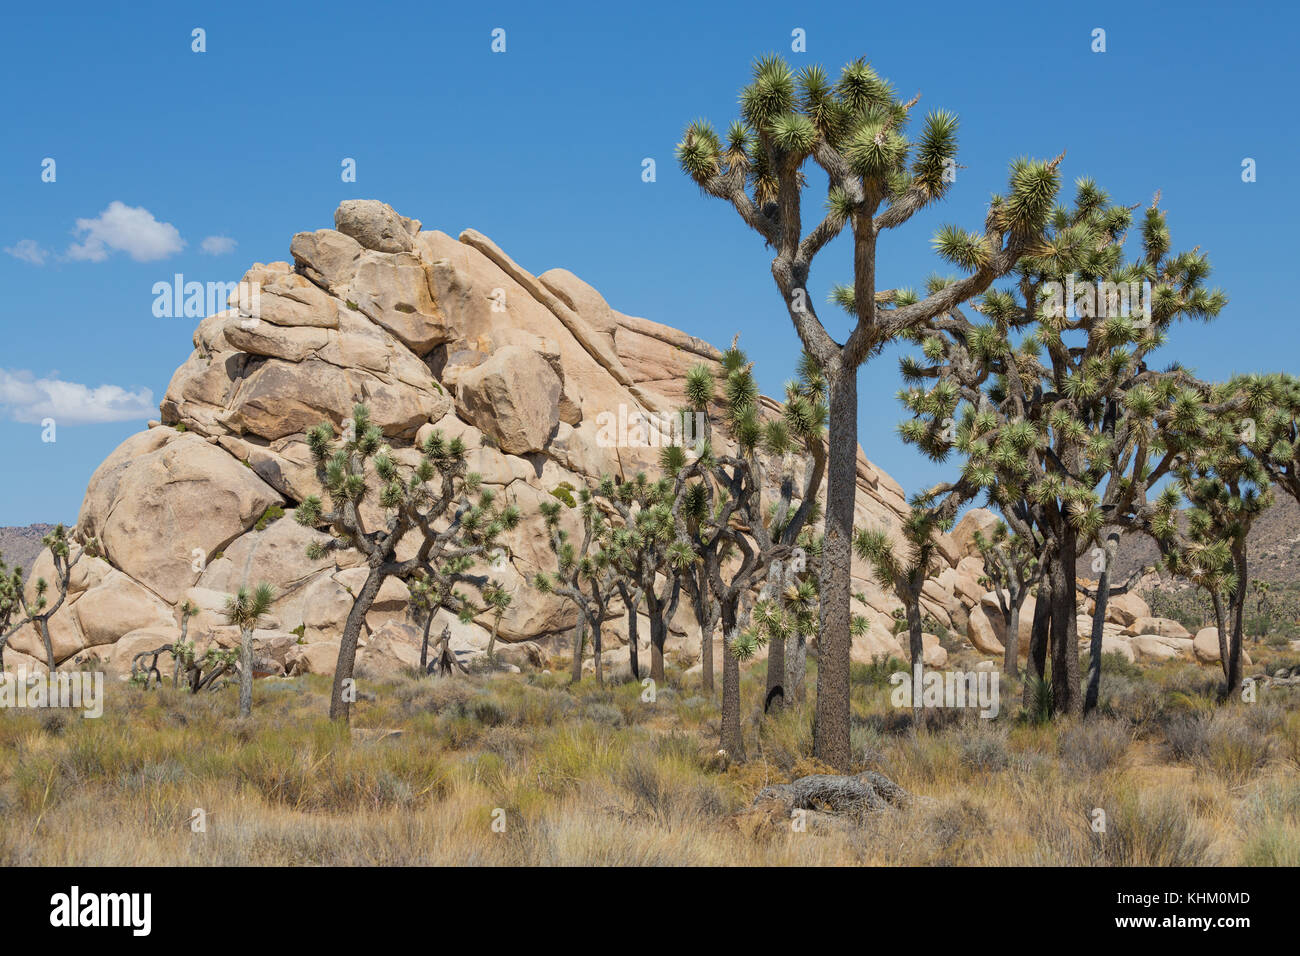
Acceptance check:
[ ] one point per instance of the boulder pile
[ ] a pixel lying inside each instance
(432, 332)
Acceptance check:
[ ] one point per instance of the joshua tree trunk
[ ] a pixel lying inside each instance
(916, 649)
(1037, 662)
(1011, 650)
(706, 615)
(796, 668)
(1238, 623)
(1221, 624)
(831, 727)
(732, 741)
(1099, 624)
(1065, 650)
(596, 649)
(632, 603)
(658, 633)
(579, 639)
(424, 644)
(49, 645)
(633, 638)
(246, 672)
(774, 696)
(340, 706)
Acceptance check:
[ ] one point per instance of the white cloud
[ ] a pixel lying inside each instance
(217, 245)
(129, 229)
(29, 399)
(28, 250)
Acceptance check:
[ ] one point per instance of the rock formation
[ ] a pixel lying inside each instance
(430, 331)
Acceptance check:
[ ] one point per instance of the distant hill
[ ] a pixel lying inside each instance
(1273, 553)
(20, 546)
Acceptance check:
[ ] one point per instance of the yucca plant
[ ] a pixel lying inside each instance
(733, 533)
(1012, 568)
(11, 616)
(1226, 487)
(854, 128)
(644, 549)
(437, 489)
(902, 567)
(244, 610)
(1047, 396)
(17, 612)
(586, 573)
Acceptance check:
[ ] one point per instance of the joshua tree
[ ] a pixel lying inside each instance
(497, 600)
(588, 579)
(854, 130)
(1066, 429)
(436, 488)
(647, 548)
(142, 673)
(1012, 568)
(904, 570)
(1263, 604)
(244, 610)
(739, 534)
(1227, 489)
(11, 585)
(39, 611)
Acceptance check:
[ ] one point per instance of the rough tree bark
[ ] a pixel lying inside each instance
(732, 741)
(340, 706)
(834, 641)
(246, 672)
(1111, 547)
(579, 639)
(1066, 698)
(1036, 665)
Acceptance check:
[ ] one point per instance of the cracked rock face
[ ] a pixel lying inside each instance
(431, 332)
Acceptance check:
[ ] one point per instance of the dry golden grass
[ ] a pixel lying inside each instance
(594, 776)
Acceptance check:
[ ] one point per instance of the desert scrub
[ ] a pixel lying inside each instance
(1149, 830)
(983, 747)
(1094, 745)
(1224, 743)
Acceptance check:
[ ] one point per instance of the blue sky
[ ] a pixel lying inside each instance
(541, 148)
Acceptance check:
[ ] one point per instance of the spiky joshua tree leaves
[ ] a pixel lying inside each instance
(16, 611)
(436, 490)
(855, 129)
(739, 534)
(903, 566)
(586, 573)
(1012, 568)
(1065, 427)
(244, 610)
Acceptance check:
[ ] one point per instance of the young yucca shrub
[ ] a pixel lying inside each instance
(1040, 699)
(878, 671)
